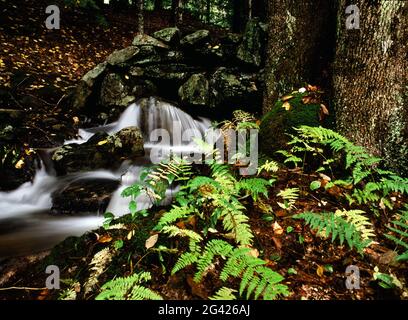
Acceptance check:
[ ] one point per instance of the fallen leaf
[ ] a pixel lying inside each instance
(151, 241)
(286, 98)
(105, 238)
(19, 164)
(100, 143)
(277, 229)
(286, 106)
(320, 271)
(130, 234)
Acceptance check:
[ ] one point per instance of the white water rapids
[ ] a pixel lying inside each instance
(25, 223)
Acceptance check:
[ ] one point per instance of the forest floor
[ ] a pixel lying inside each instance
(313, 267)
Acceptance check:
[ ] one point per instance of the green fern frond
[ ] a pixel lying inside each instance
(254, 187)
(173, 215)
(399, 233)
(175, 231)
(128, 288)
(224, 294)
(337, 226)
(290, 196)
(185, 260)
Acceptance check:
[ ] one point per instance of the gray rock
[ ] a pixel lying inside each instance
(195, 91)
(145, 40)
(122, 56)
(168, 35)
(197, 38)
(91, 76)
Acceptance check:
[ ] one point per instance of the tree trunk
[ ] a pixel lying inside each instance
(208, 11)
(177, 8)
(300, 46)
(140, 17)
(158, 5)
(239, 18)
(371, 80)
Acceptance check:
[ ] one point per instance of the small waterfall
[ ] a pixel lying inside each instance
(25, 224)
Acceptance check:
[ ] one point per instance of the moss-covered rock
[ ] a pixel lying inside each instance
(195, 39)
(195, 91)
(115, 92)
(168, 35)
(122, 56)
(146, 40)
(284, 116)
(251, 49)
(231, 88)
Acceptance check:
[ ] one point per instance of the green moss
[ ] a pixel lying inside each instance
(278, 122)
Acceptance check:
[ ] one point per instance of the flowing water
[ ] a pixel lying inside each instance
(26, 225)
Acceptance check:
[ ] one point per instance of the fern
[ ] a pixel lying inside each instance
(128, 288)
(399, 233)
(99, 263)
(289, 195)
(338, 227)
(256, 279)
(269, 167)
(254, 187)
(361, 223)
(224, 294)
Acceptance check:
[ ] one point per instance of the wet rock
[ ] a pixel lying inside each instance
(195, 39)
(195, 91)
(251, 49)
(84, 196)
(100, 152)
(145, 40)
(122, 56)
(168, 35)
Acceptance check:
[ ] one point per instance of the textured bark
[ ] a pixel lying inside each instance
(371, 79)
(300, 45)
(140, 17)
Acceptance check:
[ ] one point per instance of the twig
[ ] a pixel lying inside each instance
(22, 288)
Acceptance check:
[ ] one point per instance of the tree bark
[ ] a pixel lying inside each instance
(208, 11)
(300, 46)
(140, 17)
(371, 80)
(177, 8)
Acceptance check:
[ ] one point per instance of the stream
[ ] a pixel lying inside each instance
(26, 225)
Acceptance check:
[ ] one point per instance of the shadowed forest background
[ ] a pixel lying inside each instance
(323, 83)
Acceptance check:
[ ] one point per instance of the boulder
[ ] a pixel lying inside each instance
(195, 91)
(114, 91)
(287, 113)
(100, 152)
(84, 196)
(119, 57)
(85, 87)
(91, 76)
(169, 35)
(251, 49)
(195, 39)
(142, 40)
(232, 88)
